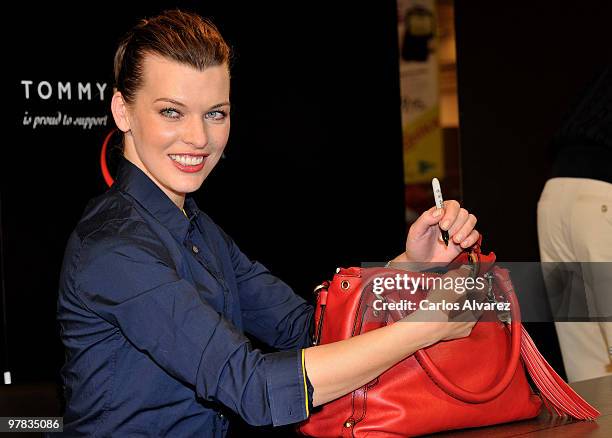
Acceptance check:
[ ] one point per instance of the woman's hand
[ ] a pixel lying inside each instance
(444, 315)
(424, 243)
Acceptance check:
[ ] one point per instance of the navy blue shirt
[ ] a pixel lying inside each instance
(153, 306)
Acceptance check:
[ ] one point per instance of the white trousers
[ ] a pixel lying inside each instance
(575, 225)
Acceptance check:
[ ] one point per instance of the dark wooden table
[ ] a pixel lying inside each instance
(598, 392)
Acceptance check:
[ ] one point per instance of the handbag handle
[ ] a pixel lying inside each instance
(503, 281)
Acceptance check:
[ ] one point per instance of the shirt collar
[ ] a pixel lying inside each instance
(133, 181)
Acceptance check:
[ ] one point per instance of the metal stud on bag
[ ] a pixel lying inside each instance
(504, 317)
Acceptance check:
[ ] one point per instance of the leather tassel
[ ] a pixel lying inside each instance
(555, 392)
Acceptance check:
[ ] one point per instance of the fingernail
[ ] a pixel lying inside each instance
(445, 224)
(437, 212)
(458, 238)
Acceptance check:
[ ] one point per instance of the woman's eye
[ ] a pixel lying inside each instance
(216, 115)
(171, 113)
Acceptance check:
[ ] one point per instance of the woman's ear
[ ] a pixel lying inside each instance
(120, 112)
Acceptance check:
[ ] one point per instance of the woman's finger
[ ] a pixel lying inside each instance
(459, 223)
(451, 211)
(464, 231)
(471, 239)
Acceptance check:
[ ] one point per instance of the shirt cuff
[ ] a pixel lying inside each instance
(309, 388)
(287, 387)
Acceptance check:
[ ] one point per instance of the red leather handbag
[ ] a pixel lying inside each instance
(474, 381)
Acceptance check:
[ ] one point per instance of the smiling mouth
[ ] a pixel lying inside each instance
(187, 160)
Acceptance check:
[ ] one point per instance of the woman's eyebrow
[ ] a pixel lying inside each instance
(166, 99)
(176, 102)
(219, 105)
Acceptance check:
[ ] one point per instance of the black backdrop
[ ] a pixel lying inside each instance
(312, 177)
(521, 66)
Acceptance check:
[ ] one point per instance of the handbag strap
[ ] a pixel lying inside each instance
(359, 408)
(504, 284)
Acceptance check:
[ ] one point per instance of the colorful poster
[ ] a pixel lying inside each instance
(423, 146)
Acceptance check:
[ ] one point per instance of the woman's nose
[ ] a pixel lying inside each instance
(195, 133)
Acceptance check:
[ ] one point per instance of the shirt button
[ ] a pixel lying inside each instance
(195, 249)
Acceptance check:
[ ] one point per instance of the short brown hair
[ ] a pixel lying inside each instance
(178, 35)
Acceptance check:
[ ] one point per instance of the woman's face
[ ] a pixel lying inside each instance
(178, 124)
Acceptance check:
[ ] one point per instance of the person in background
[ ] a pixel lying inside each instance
(156, 300)
(575, 226)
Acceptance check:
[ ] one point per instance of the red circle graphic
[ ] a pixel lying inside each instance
(103, 165)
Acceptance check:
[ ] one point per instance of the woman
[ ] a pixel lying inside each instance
(155, 299)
